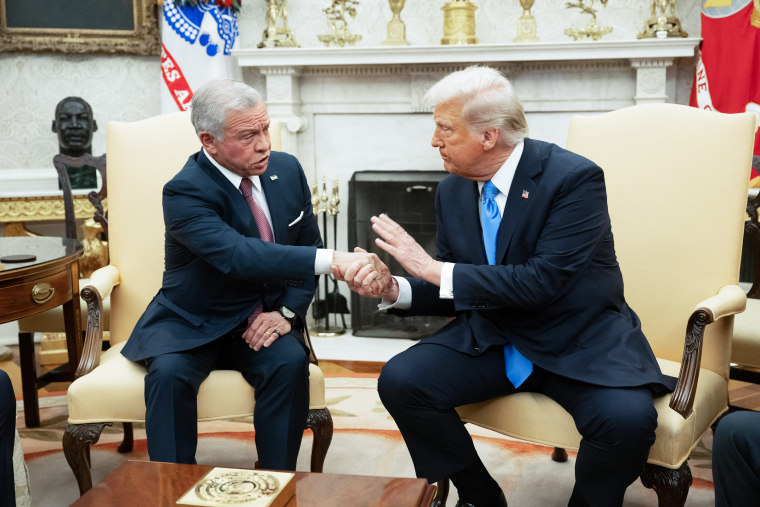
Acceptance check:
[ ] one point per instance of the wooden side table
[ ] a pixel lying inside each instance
(27, 288)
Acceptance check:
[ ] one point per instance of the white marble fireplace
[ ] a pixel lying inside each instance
(352, 109)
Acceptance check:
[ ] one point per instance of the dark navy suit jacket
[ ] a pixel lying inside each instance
(556, 291)
(217, 269)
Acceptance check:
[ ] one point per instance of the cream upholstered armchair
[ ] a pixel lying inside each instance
(676, 183)
(142, 157)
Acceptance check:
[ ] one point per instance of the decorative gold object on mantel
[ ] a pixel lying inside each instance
(277, 36)
(396, 31)
(459, 22)
(336, 19)
(662, 22)
(592, 30)
(526, 25)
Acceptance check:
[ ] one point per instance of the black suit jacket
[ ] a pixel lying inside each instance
(556, 291)
(217, 269)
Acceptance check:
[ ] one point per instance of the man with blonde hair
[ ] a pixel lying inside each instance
(526, 264)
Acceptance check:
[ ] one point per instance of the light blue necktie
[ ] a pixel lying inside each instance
(518, 367)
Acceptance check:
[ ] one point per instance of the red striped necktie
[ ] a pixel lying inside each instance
(265, 230)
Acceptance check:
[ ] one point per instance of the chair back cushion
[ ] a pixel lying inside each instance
(677, 182)
(142, 157)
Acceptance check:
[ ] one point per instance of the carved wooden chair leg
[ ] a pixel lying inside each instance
(441, 493)
(671, 486)
(320, 422)
(559, 455)
(77, 439)
(126, 444)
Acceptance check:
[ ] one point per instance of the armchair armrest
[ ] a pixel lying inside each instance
(729, 300)
(102, 282)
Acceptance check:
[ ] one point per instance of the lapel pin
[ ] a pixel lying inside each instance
(273, 177)
(525, 194)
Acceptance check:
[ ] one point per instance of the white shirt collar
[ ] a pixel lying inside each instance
(235, 179)
(506, 173)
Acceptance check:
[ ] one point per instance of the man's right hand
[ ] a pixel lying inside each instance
(365, 274)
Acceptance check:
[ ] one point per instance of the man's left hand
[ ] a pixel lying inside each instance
(397, 242)
(265, 329)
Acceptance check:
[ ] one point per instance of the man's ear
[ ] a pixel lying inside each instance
(208, 141)
(490, 138)
(54, 128)
(94, 126)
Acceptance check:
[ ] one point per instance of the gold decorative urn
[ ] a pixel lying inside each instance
(459, 22)
(396, 31)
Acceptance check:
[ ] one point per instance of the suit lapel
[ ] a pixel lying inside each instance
(242, 218)
(520, 192)
(271, 184)
(469, 223)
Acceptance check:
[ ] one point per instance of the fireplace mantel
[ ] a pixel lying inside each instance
(643, 49)
(551, 77)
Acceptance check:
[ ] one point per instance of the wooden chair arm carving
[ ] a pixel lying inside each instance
(101, 284)
(729, 301)
(93, 339)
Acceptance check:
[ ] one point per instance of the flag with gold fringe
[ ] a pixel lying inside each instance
(197, 37)
(727, 77)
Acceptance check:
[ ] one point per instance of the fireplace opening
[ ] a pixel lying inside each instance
(408, 197)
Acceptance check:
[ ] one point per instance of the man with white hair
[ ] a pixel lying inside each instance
(242, 249)
(526, 264)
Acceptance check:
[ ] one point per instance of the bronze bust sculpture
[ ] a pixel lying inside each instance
(74, 124)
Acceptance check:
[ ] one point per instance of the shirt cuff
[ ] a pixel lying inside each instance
(323, 261)
(404, 301)
(447, 281)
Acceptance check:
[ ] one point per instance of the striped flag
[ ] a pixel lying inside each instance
(196, 39)
(727, 77)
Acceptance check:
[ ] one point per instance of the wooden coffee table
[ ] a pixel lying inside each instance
(147, 484)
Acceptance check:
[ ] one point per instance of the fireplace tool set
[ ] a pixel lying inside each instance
(332, 302)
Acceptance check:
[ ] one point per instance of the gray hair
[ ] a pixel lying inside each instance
(214, 99)
(490, 101)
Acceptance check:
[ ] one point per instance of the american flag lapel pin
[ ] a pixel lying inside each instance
(274, 178)
(525, 194)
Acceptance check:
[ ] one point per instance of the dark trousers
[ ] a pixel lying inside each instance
(421, 386)
(7, 439)
(279, 374)
(736, 460)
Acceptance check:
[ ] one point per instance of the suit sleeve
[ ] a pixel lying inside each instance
(194, 219)
(576, 224)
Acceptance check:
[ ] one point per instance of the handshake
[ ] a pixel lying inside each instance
(365, 273)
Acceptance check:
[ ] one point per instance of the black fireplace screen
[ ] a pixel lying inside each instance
(408, 197)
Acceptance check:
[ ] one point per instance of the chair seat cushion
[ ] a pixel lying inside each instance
(114, 391)
(51, 321)
(537, 418)
(745, 342)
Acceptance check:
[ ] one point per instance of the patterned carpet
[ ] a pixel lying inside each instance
(365, 442)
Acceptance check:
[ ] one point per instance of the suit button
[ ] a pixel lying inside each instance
(476, 350)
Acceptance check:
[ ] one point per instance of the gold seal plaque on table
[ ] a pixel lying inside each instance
(249, 488)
